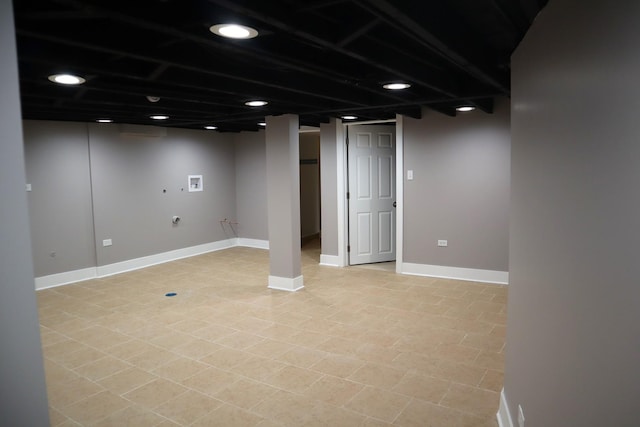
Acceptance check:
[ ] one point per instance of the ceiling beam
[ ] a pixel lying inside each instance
(408, 25)
(415, 111)
(318, 5)
(319, 41)
(358, 33)
(283, 87)
(447, 111)
(268, 57)
(484, 104)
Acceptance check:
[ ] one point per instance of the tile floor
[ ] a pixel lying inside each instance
(356, 347)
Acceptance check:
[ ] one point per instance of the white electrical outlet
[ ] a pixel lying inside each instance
(410, 175)
(443, 243)
(520, 416)
(107, 242)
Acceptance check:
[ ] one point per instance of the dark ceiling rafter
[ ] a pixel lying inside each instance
(405, 23)
(185, 94)
(308, 6)
(316, 70)
(359, 32)
(238, 8)
(318, 59)
(382, 43)
(514, 23)
(182, 66)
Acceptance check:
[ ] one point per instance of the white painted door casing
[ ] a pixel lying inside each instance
(371, 153)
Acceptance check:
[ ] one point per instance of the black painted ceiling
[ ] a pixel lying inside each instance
(316, 58)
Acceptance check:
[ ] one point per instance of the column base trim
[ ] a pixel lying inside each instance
(330, 260)
(286, 283)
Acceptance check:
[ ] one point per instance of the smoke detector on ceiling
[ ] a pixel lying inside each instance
(153, 98)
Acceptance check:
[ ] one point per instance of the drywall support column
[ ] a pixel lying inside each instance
(332, 193)
(23, 394)
(283, 202)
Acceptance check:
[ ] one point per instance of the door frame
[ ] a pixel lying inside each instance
(343, 179)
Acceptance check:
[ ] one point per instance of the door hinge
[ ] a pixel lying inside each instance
(348, 248)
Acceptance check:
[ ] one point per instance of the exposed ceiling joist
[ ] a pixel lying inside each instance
(318, 59)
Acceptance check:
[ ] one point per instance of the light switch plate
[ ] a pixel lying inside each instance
(443, 243)
(410, 175)
(107, 242)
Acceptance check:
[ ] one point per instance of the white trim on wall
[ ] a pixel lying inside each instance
(330, 260)
(253, 243)
(148, 261)
(286, 283)
(458, 273)
(341, 193)
(504, 416)
(69, 277)
(65, 278)
(399, 191)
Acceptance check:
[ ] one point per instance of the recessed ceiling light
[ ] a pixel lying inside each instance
(159, 117)
(234, 31)
(256, 103)
(465, 108)
(262, 124)
(396, 86)
(211, 127)
(349, 117)
(66, 79)
(104, 121)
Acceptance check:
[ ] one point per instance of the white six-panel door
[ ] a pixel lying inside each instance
(372, 221)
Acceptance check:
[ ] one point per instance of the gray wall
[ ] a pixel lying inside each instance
(310, 184)
(72, 166)
(460, 190)
(57, 162)
(573, 334)
(129, 175)
(329, 134)
(251, 185)
(23, 395)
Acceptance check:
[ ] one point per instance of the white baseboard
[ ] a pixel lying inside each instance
(53, 280)
(286, 283)
(330, 260)
(253, 243)
(458, 273)
(148, 261)
(504, 416)
(74, 276)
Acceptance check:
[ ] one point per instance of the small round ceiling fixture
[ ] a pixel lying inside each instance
(211, 127)
(349, 117)
(104, 121)
(234, 31)
(396, 86)
(66, 79)
(159, 117)
(256, 103)
(465, 108)
(153, 98)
